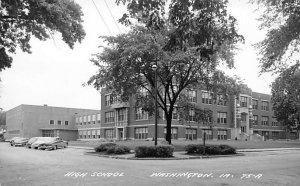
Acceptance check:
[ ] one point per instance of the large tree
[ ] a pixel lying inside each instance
(22, 19)
(281, 19)
(286, 97)
(187, 43)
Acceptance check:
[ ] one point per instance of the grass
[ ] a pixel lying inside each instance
(180, 144)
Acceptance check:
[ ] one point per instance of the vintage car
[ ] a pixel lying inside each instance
(12, 140)
(31, 141)
(40, 141)
(53, 144)
(20, 142)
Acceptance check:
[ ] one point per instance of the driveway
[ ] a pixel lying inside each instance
(21, 166)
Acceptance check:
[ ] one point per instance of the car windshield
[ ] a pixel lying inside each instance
(32, 140)
(48, 139)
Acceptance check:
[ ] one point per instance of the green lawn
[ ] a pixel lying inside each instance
(179, 144)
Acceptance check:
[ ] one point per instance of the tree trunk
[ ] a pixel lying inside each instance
(168, 135)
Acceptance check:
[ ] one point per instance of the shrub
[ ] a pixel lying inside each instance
(104, 147)
(210, 149)
(226, 149)
(154, 151)
(112, 148)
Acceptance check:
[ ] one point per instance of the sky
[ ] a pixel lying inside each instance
(54, 74)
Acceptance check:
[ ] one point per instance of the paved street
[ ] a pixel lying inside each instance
(21, 166)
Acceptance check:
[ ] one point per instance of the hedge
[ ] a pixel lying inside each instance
(154, 151)
(118, 150)
(210, 149)
(104, 147)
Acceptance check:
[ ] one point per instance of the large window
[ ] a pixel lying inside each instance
(274, 122)
(206, 98)
(190, 134)
(208, 133)
(89, 119)
(243, 101)
(141, 133)
(94, 134)
(98, 118)
(221, 100)
(109, 117)
(191, 116)
(98, 133)
(222, 117)
(275, 134)
(192, 96)
(84, 120)
(140, 114)
(66, 122)
(109, 133)
(254, 103)
(80, 120)
(265, 105)
(108, 100)
(48, 133)
(121, 114)
(58, 122)
(255, 119)
(174, 132)
(175, 114)
(222, 134)
(80, 134)
(94, 119)
(265, 120)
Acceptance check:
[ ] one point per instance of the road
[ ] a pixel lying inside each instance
(21, 166)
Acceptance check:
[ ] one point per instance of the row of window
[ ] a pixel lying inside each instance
(244, 103)
(88, 119)
(58, 122)
(190, 134)
(265, 121)
(89, 134)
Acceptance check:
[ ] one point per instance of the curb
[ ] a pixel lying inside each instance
(269, 149)
(171, 158)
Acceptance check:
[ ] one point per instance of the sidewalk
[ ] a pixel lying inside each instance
(181, 155)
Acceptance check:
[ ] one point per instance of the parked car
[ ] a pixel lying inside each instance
(31, 141)
(12, 140)
(54, 144)
(39, 141)
(20, 142)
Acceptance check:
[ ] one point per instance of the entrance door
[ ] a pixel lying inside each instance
(243, 129)
(120, 134)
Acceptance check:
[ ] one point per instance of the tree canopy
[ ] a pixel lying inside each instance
(286, 97)
(187, 41)
(22, 19)
(281, 18)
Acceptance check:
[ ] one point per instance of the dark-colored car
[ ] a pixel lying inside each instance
(53, 144)
(19, 142)
(31, 141)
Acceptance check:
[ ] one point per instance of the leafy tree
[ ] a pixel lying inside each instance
(187, 44)
(286, 97)
(22, 19)
(281, 18)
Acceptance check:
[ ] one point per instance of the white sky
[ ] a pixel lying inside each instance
(53, 74)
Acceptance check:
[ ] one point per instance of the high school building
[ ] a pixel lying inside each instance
(249, 117)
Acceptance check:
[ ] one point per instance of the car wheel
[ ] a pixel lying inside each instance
(55, 147)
